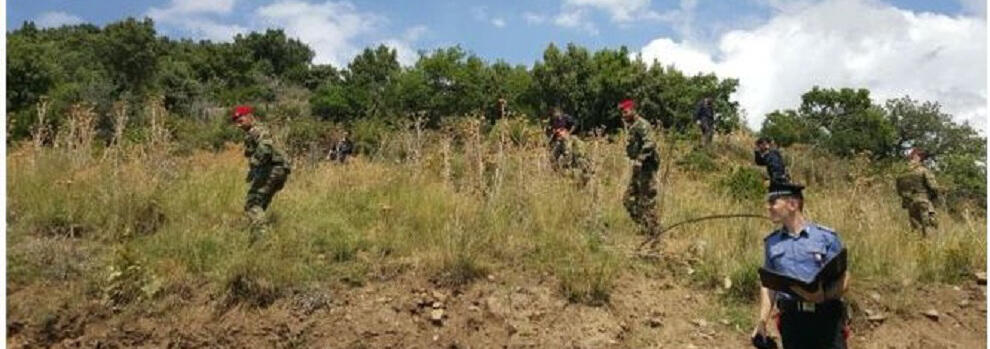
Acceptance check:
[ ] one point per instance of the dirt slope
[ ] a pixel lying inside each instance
(648, 309)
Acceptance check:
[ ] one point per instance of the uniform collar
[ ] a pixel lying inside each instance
(784, 233)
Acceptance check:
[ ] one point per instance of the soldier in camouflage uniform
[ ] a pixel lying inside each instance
(574, 159)
(640, 196)
(918, 189)
(559, 121)
(269, 169)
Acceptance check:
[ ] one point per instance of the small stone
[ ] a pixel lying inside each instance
(727, 283)
(724, 322)
(964, 303)
(654, 322)
(437, 316)
(875, 317)
(437, 305)
(436, 337)
(981, 278)
(956, 288)
(931, 314)
(473, 308)
(491, 277)
(875, 296)
(700, 322)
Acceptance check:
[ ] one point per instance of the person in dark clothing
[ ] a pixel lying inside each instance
(769, 157)
(704, 116)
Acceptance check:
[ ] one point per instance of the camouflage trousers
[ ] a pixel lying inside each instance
(922, 214)
(640, 198)
(580, 170)
(264, 184)
(707, 130)
(558, 148)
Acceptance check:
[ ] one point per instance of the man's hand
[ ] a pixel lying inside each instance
(761, 328)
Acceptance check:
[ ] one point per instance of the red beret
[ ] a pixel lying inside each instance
(242, 110)
(917, 151)
(627, 104)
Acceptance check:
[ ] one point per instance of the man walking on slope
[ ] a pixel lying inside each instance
(918, 189)
(268, 171)
(704, 116)
(641, 194)
(769, 157)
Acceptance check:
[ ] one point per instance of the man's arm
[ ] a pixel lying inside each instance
(758, 158)
(766, 310)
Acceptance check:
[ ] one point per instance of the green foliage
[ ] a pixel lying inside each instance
(129, 50)
(788, 127)
(966, 179)
(277, 55)
(308, 137)
(698, 160)
(128, 279)
(864, 132)
(589, 279)
(743, 184)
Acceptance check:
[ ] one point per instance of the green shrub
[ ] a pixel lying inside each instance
(743, 184)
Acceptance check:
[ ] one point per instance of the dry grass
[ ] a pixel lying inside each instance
(464, 205)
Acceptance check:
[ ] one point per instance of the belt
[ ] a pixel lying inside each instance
(793, 305)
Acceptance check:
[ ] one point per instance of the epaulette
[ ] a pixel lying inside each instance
(825, 229)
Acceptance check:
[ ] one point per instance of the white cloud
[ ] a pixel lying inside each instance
(329, 28)
(575, 18)
(498, 22)
(534, 18)
(404, 51)
(197, 18)
(846, 43)
(619, 10)
(414, 33)
(186, 7)
(57, 19)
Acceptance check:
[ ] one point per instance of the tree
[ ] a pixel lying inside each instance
(277, 55)
(787, 127)
(130, 52)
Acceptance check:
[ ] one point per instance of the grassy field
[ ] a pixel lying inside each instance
(131, 223)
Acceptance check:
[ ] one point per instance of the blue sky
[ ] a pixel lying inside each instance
(778, 48)
(516, 31)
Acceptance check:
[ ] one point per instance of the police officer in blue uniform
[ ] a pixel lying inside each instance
(799, 249)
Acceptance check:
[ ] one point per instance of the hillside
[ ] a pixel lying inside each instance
(460, 238)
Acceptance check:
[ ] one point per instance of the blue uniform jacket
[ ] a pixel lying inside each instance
(800, 257)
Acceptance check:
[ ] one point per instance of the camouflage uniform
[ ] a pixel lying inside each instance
(558, 147)
(917, 189)
(575, 160)
(640, 196)
(269, 169)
